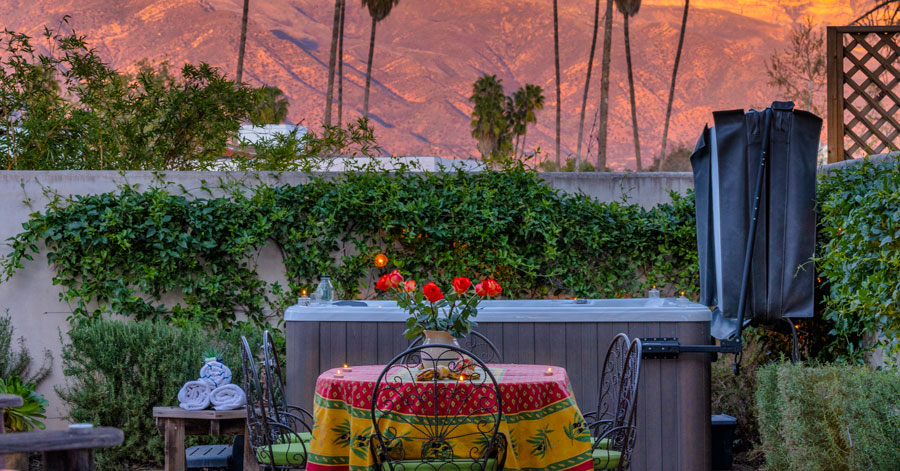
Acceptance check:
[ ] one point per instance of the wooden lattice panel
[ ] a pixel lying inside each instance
(863, 91)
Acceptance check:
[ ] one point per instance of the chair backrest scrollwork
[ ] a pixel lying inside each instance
(442, 422)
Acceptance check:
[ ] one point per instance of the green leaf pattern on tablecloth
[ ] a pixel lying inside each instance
(540, 441)
(577, 430)
(361, 442)
(343, 434)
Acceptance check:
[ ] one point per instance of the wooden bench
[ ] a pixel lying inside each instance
(7, 401)
(63, 449)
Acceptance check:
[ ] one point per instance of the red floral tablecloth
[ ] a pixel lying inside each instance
(543, 426)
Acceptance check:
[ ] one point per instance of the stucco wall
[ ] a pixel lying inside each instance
(40, 317)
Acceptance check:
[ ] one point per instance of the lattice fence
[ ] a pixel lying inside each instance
(863, 91)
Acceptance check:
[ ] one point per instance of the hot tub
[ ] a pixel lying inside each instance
(673, 404)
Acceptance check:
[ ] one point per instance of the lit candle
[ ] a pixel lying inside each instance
(462, 377)
(654, 293)
(338, 374)
(347, 368)
(549, 371)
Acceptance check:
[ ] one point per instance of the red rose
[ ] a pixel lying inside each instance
(383, 283)
(433, 293)
(488, 288)
(410, 285)
(493, 288)
(389, 281)
(395, 278)
(461, 285)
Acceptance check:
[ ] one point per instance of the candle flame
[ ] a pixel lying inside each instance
(550, 370)
(346, 365)
(462, 377)
(304, 292)
(339, 372)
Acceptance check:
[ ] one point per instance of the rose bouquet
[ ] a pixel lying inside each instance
(432, 309)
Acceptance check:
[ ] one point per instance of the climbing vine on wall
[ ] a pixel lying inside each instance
(127, 251)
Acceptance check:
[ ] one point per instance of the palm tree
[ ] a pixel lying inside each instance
(629, 8)
(271, 106)
(340, 65)
(532, 99)
(604, 89)
(335, 27)
(558, 93)
(240, 64)
(587, 81)
(378, 10)
(665, 136)
(489, 122)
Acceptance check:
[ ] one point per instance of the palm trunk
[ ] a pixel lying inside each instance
(634, 125)
(369, 70)
(524, 133)
(240, 64)
(558, 92)
(340, 67)
(665, 136)
(329, 95)
(587, 80)
(602, 132)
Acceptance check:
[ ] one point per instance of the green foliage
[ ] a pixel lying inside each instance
(497, 118)
(67, 109)
(16, 378)
(859, 255)
(841, 418)
(26, 417)
(122, 252)
(118, 371)
(18, 363)
(271, 106)
(310, 152)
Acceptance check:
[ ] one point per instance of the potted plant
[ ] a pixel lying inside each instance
(438, 316)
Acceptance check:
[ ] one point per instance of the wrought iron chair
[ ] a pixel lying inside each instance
(602, 418)
(612, 449)
(433, 424)
(276, 446)
(475, 342)
(275, 391)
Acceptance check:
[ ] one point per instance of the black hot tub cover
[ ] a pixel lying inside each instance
(726, 164)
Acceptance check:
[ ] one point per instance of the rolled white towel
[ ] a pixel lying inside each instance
(228, 397)
(194, 395)
(216, 373)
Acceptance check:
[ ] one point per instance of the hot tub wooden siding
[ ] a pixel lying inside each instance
(673, 431)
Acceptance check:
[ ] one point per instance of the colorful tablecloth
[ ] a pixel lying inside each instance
(542, 424)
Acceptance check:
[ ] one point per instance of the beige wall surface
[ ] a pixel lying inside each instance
(33, 301)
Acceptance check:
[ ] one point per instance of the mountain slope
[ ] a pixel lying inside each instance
(428, 53)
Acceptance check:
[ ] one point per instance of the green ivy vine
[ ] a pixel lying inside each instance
(858, 257)
(127, 251)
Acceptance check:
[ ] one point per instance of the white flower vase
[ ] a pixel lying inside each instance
(438, 355)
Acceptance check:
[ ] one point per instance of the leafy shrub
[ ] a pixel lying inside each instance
(859, 255)
(18, 363)
(834, 417)
(124, 251)
(62, 107)
(118, 371)
(26, 417)
(16, 378)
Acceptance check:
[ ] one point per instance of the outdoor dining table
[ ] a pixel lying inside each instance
(543, 425)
